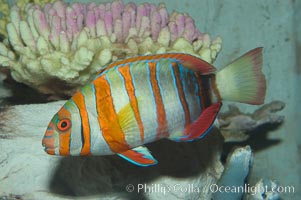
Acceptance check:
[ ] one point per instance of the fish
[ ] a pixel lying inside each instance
(142, 99)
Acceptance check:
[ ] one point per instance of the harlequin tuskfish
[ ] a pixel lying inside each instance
(146, 98)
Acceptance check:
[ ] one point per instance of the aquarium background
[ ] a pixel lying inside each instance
(274, 25)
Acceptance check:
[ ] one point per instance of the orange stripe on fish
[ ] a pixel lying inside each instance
(107, 117)
(79, 100)
(162, 130)
(125, 72)
(187, 60)
(181, 93)
(65, 137)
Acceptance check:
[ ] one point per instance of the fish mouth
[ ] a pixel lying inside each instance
(49, 150)
(48, 147)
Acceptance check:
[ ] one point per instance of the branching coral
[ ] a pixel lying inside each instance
(4, 17)
(4, 11)
(59, 47)
(236, 126)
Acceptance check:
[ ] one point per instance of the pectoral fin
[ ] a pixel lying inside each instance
(200, 127)
(126, 119)
(139, 156)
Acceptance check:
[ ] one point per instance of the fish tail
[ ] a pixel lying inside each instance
(243, 80)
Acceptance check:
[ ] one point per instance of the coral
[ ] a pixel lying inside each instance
(59, 47)
(265, 191)
(4, 11)
(236, 126)
(4, 17)
(22, 3)
(236, 170)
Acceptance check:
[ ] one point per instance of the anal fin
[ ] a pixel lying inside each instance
(201, 126)
(139, 156)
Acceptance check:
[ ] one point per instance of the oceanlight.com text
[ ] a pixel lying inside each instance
(214, 188)
(253, 190)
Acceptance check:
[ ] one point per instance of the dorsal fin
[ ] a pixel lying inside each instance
(186, 60)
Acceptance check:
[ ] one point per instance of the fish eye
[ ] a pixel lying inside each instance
(64, 125)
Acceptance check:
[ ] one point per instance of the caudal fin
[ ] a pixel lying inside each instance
(243, 80)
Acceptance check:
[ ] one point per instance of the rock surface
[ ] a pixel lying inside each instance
(185, 170)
